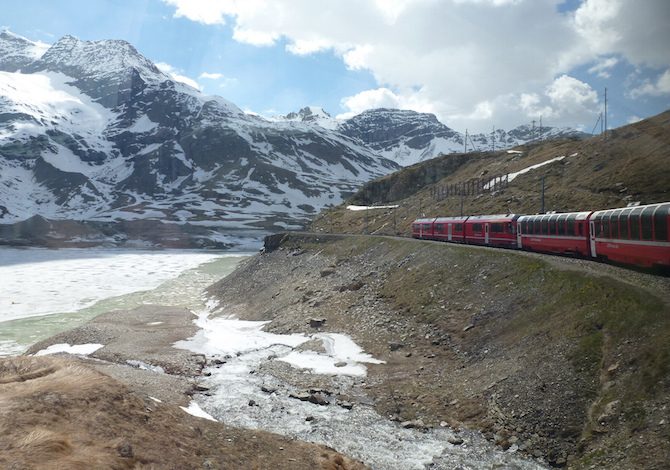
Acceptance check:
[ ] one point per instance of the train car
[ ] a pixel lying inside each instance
(493, 230)
(565, 233)
(449, 229)
(423, 228)
(633, 235)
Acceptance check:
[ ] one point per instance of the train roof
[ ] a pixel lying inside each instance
(424, 220)
(499, 217)
(662, 206)
(461, 218)
(577, 215)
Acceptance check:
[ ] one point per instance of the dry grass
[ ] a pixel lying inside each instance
(58, 414)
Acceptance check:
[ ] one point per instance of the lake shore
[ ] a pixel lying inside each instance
(120, 405)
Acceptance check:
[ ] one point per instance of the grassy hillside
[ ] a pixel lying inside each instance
(631, 164)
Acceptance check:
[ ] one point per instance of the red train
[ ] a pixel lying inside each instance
(638, 236)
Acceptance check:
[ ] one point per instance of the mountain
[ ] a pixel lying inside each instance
(313, 115)
(408, 137)
(405, 137)
(93, 130)
(17, 52)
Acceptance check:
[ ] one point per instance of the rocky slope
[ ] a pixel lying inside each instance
(93, 130)
(560, 359)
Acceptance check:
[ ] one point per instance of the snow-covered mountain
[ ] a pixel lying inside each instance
(312, 115)
(408, 137)
(92, 130)
(405, 137)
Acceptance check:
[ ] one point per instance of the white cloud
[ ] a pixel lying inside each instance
(464, 60)
(383, 98)
(660, 87)
(603, 66)
(176, 75)
(637, 30)
(633, 119)
(210, 76)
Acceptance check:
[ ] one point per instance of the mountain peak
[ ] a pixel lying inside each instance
(313, 115)
(17, 52)
(96, 59)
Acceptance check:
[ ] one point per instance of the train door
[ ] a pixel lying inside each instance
(486, 233)
(592, 237)
(449, 232)
(519, 243)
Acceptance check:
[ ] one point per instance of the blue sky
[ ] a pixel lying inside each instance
(474, 63)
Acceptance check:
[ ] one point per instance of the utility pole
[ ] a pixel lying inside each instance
(493, 139)
(542, 210)
(466, 142)
(601, 123)
(605, 117)
(541, 127)
(532, 132)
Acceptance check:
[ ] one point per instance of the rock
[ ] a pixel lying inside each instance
(309, 418)
(317, 322)
(125, 450)
(611, 369)
(394, 346)
(266, 389)
(345, 404)
(413, 424)
(302, 396)
(200, 388)
(218, 362)
(469, 327)
(455, 440)
(408, 354)
(327, 272)
(340, 364)
(318, 399)
(252, 403)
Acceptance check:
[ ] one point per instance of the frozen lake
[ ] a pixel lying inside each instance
(46, 291)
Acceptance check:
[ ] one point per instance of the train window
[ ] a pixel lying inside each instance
(511, 227)
(560, 226)
(623, 225)
(476, 227)
(439, 228)
(544, 226)
(552, 224)
(458, 228)
(614, 224)
(661, 223)
(635, 224)
(497, 228)
(426, 227)
(605, 226)
(580, 228)
(647, 216)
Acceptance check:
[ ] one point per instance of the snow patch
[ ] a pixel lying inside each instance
(76, 349)
(195, 410)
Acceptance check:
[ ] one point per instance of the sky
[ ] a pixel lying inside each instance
(475, 64)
